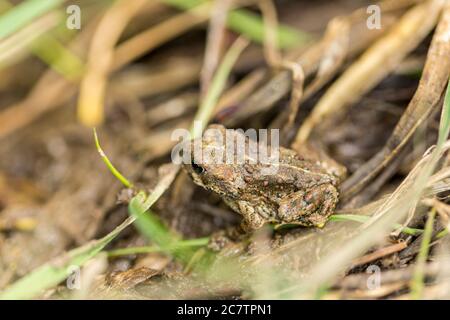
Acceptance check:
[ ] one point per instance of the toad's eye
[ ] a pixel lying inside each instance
(197, 169)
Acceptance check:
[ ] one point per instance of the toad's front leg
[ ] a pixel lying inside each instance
(309, 207)
(251, 221)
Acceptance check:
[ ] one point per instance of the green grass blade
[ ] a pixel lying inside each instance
(445, 118)
(251, 25)
(58, 57)
(184, 4)
(108, 163)
(363, 219)
(25, 12)
(154, 229)
(418, 277)
(199, 242)
(148, 224)
(51, 51)
(52, 273)
(417, 283)
(218, 84)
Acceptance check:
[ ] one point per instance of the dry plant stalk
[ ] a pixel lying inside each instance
(336, 46)
(241, 90)
(275, 59)
(159, 34)
(278, 86)
(426, 99)
(42, 99)
(170, 77)
(155, 36)
(374, 65)
(93, 85)
(50, 91)
(392, 210)
(359, 281)
(214, 43)
(15, 46)
(380, 253)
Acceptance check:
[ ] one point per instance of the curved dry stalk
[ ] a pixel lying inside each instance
(15, 46)
(442, 209)
(275, 59)
(241, 90)
(336, 44)
(214, 43)
(93, 85)
(50, 274)
(50, 91)
(426, 99)
(153, 37)
(374, 65)
(392, 209)
(380, 253)
(281, 84)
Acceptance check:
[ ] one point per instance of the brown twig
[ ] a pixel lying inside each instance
(281, 84)
(380, 253)
(424, 102)
(214, 43)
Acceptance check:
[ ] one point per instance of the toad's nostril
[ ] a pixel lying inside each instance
(197, 168)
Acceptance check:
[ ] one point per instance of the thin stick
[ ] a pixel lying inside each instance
(215, 42)
(379, 254)
(275, 59)
(377, 62)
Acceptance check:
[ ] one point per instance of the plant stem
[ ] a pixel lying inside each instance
(152, 249)
(417, 283)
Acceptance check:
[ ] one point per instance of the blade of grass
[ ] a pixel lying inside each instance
(251, 25)
(139, 207)
(24, 13)
(444, 128)
(442, 234)
(45, 46)
(363, 219)
(108, 163)
(419, 277)
(58, 57)
(200, 242)
(417, 283)
(396, 207)
(16, 47)
(212, 97)
(54, 272)
(154, 229)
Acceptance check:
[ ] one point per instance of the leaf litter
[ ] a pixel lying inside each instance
(347, 90)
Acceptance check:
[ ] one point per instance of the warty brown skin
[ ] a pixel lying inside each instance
(295, 191)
